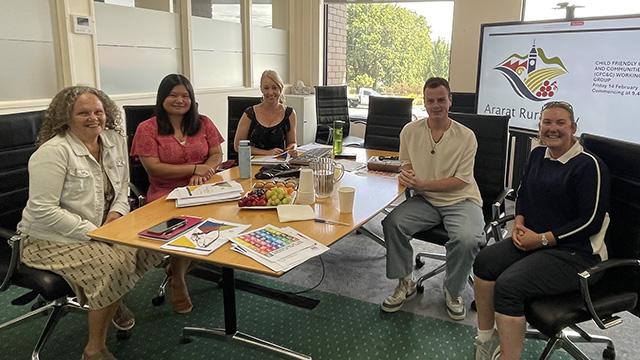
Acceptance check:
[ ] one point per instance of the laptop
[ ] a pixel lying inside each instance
(304, 158)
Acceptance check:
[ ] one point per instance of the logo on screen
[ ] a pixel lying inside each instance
(532, 75)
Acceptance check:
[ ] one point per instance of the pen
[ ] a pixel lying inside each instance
(331, 222)
(189, 191)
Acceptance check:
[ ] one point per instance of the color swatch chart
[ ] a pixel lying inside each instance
(271, 242)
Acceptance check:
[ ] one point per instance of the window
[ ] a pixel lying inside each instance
(270, 38)
(549, 9)
(217, 44)
(389, 48)
(137, 46)
(27, 65)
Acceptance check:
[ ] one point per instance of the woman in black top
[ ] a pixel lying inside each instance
(270, 126)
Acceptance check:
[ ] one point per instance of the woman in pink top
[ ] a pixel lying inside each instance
(177, 147)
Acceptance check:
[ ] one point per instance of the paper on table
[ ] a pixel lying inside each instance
(223, 187)
(288, 213)
(351, 165)
(205, 238)
(185, 202)
(270, 159)
(289, 262)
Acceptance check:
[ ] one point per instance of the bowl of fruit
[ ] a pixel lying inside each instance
(268, 197)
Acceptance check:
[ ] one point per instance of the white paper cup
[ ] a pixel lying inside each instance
(346, 195)
(305, 197)
(305, 185)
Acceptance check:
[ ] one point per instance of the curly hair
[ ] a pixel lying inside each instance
(58, 114)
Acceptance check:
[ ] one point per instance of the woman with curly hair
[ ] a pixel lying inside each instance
(78, 179)
(177, 147)
(271, 125)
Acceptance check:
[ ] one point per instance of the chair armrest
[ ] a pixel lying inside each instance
(503, 220)
(603, 323)
(14, 243)
(498, 203)
(496, 226)
(141, 198)
(329, 136)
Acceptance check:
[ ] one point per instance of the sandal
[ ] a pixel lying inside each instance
(102, 355)
(180, 300)
(123, 319)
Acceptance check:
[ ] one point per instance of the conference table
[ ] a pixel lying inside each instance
(373, 194)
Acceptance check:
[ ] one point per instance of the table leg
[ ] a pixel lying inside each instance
(230, 330)
(212, 273)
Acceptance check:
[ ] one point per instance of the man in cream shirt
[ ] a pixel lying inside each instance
(438, 154)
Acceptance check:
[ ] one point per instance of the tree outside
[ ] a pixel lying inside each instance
(389, 49)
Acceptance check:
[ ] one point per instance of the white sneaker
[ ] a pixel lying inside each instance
(488, 350)
(455, 306)
(406, 288)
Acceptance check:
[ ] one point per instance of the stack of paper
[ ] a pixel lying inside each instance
(206, 194)
(205, 238)
(270, 159)
(280, 249)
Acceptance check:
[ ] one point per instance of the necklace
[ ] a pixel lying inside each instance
(434, 144)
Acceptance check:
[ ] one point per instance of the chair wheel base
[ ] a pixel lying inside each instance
(420, 289)
(38, 304)
(609, 353)
(185, 339)
(158, 300)
(123, 334)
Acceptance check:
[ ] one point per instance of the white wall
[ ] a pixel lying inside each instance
(468, 15)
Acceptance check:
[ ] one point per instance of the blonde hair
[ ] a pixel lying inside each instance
(58, 114)
(273, 76)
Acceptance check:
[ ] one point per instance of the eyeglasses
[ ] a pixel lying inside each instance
(203, 240)
(562, 105)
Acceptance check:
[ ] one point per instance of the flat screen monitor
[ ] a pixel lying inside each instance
(594, 64)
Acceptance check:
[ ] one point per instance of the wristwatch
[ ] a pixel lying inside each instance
(544, 240)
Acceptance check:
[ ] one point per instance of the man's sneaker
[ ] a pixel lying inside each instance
(455, 306)
(490, 349)
(406, 288)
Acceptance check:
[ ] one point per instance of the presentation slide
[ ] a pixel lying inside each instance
(592, 64)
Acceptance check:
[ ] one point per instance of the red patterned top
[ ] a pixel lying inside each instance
(169, 150)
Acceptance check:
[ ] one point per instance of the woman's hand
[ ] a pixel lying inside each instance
(525, 239)
(291, 149)
(204, 170)
(275, 151)
(197, 180)
(112, 215)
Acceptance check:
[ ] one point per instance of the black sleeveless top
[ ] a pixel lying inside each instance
(268, 137)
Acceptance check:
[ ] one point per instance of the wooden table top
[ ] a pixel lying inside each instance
(373, 193)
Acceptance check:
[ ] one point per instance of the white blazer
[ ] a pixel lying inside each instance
(66, 190)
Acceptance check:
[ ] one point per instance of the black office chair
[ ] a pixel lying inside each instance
(463, 102)
(490, 173)
(138, 178)
(332, 105)
(50, 291)
(386, 118)
(618, 289)
(235, 108)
